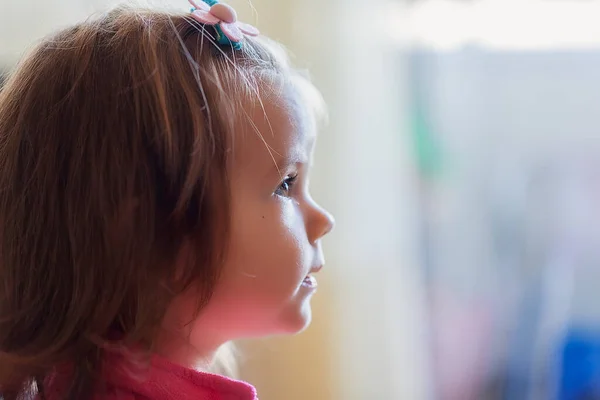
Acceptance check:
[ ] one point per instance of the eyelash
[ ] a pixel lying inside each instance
(286, 186)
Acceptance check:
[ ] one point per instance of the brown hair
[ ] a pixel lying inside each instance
(115, 137)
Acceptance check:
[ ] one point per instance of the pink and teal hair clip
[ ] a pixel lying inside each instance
(230, 32)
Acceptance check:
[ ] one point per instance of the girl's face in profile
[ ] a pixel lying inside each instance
(276, 230)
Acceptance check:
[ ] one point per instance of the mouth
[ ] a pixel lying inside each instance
(310, 281)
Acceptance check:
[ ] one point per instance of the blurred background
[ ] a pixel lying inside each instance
(462, 163)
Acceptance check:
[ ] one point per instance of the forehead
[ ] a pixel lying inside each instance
(281, 127)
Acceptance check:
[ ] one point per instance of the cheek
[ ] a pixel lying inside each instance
(267, 253)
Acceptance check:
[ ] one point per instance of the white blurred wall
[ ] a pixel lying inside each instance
(367, 338)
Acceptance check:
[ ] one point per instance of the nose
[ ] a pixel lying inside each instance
(320, 224)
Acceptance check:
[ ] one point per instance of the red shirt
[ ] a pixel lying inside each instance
(164, 380)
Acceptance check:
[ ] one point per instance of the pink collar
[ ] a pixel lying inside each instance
(165, 381)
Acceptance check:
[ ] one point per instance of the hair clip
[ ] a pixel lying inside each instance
(230, 31)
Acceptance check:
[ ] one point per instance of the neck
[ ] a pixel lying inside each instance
(176, 348)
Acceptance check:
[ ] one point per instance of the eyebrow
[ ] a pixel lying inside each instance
(286, 162)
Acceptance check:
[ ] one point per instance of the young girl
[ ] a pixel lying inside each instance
(154, 205)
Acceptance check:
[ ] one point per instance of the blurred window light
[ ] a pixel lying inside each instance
(499, 24)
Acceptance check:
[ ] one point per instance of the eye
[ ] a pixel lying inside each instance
(286, 186)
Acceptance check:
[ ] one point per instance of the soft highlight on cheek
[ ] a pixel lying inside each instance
(293, 222)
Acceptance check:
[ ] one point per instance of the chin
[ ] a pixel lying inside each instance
(297, 321)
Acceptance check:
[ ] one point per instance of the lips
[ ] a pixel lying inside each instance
(310, 281)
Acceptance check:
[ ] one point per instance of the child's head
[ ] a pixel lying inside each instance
(153, 190)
